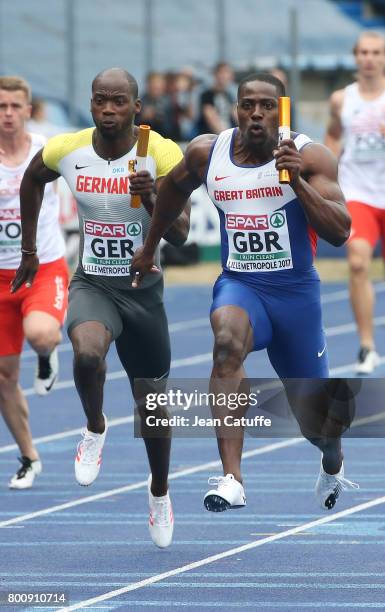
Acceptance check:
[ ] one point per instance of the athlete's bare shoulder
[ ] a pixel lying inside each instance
(336, 100)
(318, 159)
(198, 152)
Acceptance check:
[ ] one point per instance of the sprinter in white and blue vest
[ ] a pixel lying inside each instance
(268, 295)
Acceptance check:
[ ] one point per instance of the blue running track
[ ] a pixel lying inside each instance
(276, 553)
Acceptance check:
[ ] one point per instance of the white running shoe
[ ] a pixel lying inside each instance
(161, 521)
(89, 456)
(329, 486)
(368, 359)
(46, 373)
(25, 475)
(228, 494)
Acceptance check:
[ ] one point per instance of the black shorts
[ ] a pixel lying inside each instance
(135, 317)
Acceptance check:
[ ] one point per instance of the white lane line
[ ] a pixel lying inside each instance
(347, 328)
(65, 384)
(178, 474)
(225, 554)
(68, 433)
(173, 327)
(204, 357)
(350, 367)
(373, 418)
(343, 294)
(138, 485)
(186, 325)
(337, 330)
(335, 296)
(176, 363)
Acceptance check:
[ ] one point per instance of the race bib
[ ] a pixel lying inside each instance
(10, 230)
(368, 147)
(258, 243)
(109, 247)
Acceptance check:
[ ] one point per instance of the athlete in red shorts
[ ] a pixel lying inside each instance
(356, 133)
(35, 313)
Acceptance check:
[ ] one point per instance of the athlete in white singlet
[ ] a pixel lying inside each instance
(37, 312)
(268, 294)
(50, 242)
(356, 133)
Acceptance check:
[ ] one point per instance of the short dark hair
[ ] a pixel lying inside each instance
(265, 77)
(220, 65)
(131, 80)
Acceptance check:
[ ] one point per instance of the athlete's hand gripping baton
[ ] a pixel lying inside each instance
(135, 165)
(284, 130)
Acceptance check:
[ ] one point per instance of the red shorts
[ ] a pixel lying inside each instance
(368, 223)
(49, 293)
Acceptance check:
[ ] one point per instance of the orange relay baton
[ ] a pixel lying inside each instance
(284, 130)
(135, 165)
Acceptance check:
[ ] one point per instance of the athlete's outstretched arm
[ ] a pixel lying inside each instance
(143, 184)
(31, 196)
(334, 131)
(313, 174)
(178, 232)
(173, 196)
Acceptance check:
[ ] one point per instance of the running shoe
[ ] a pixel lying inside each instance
(329, 486)
(228, 494)
(25, 475)
(89, 456)
(46, 373)
(161, 521)
(368, 359)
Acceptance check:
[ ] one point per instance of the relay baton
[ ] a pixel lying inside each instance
(284, 131)
(135, 165)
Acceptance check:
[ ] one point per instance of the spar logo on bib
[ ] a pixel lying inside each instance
(258, 243)
(277, 220)
(134, 229)
(109, 247)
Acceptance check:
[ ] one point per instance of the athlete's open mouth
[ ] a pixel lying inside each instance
(256, 129)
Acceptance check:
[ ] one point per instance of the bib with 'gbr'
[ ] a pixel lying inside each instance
(264, 232)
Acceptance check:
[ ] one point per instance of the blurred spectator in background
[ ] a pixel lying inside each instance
(156, 106)
(181, 91)
(282, 76)
(39, 122)
(356, 133)
(217, 104)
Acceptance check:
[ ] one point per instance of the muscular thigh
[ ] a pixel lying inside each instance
(144, 344)
(89, 302)
(232, 292)
(298, 347)
(90, 338)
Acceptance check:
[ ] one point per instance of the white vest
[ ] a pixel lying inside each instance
(362, 164)
(263, 226)
(50, 242)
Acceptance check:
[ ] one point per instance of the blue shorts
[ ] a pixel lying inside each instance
(286, 320)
